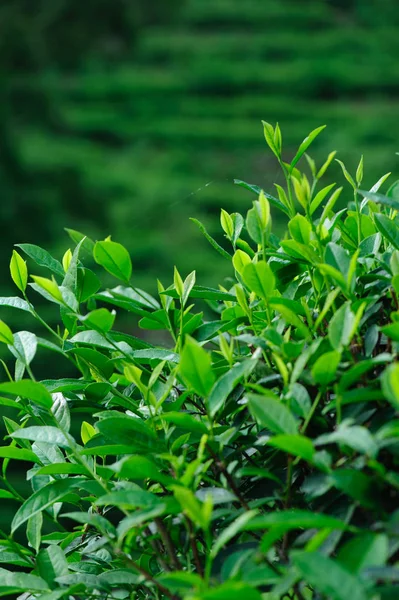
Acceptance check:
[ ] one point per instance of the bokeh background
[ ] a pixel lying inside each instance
(126, 117)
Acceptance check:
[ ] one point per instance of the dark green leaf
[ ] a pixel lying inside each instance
(305, 144)
(210, 239)
(226, 384)
(196, 368)
(42, 258)
(114, 258)
(45, 497)
(28, 389)
(271, 413)
(329, 577)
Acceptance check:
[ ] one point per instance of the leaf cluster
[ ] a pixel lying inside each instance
(255, 454)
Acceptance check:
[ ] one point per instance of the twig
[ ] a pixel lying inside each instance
(222, 467)
(158, 549)
(164, 533)
(161, 588)
(194, 548)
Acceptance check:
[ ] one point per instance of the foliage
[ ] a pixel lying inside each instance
(255, 455)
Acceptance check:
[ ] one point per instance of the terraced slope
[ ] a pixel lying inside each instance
(136, 149)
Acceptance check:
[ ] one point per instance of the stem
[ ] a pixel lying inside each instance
(287, 176)
(146, 575)
(222, 468)
(164, 533)
(158, 549)
(287, 500)
(194, 548)
(312, 411)
(359, 229)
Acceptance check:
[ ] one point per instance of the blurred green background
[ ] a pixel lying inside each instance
(126, 117)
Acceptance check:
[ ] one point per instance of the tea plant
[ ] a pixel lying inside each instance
(256, 456)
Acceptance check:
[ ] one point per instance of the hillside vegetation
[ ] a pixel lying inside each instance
(137, 143)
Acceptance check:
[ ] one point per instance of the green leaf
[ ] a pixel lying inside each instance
(325, 368)
(299, 251)
(180, 581)
(15, 302)
(318, 199)
(355, 484)
(51, 563)
(95, 359)
(100, 319)
(226, 384)
(294, 519)
(300, 229)
(337, 257)
(114, 258)
(129, 499)
(271, 413)
(289, 311)
(191, 506)
(391, 331)
(329, 577)
(380, 199)
(188, 285)
(36, 392)
(87, 283)
(240, 259)
(232, 590)
(132, 432)
(137, 467)
(108, 449)
(62, 469)
(14, 583)
(60, 410)
(42, 499)
(206, 293)
(91, 338)
(297, 445)
(341, 328)
(268, 132)
(19, 271)
(388, 228)
(231, 531)
(18, 454)
(325, 165)
(150, 354)
(6, 336)
(184, 421)
(49, 287)
(210, 239)
(227, 224)
(139, 517)
(196, 368)
(346, 173)
(305, 145)
(364, 551)
(257, 190)
(77, 236)
(259, 278)
(390, 384)
(359, 369)
(42, 433)
(24, 347)
(34, 531)
(356, 437)
(42, 258)
(7, 495)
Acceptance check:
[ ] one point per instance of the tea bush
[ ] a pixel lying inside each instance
(254, 455)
